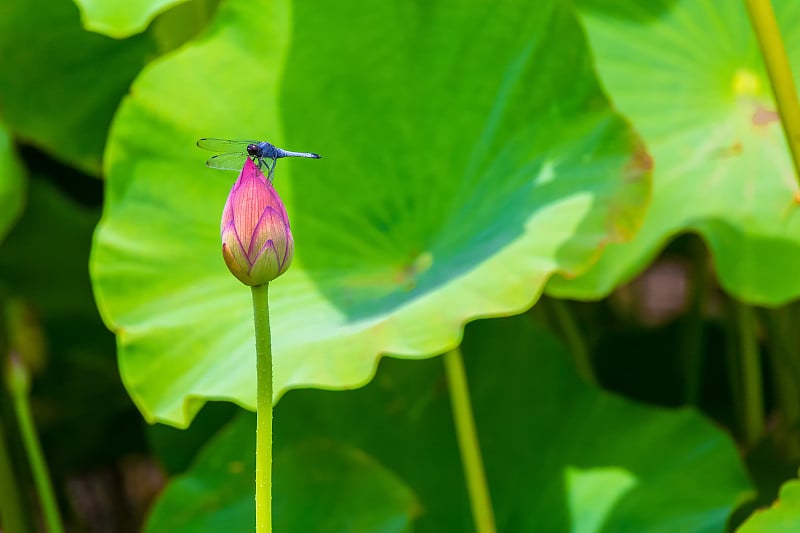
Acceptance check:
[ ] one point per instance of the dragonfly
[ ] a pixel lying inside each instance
(234, 152)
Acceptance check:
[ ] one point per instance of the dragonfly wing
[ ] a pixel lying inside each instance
(229, 161)
(223, 145)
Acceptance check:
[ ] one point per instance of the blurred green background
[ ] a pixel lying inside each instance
(592, 200)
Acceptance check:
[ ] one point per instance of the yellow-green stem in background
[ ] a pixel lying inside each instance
(18, 380)
(477, 487)
(762, 17)
(573, 339)
(749, 369)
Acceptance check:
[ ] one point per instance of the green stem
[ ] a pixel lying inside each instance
(784, 357)
(263, 409)
(692, 334)
(762, 18)
(732, 366)
(468, 444)
(574, 340)
(750, 373)
(12, 512)
(19, 385)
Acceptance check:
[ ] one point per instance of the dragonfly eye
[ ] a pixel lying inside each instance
(252, 149)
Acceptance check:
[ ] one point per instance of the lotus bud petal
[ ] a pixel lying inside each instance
(257, 244)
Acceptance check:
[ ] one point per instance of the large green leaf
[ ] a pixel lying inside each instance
(319, 485)
(61, 84)
(459, 172)
(12, 183)
(689, 75)
(782, 516)
(560, 455)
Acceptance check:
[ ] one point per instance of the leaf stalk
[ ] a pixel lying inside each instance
(750, 373)
(468, 444)
(18, 380)
(765, 25)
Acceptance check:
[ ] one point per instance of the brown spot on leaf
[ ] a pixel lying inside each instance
(408, 273)
(763, 116)
(639, 164)
(728, 151)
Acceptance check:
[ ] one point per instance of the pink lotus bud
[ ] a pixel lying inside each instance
(257, 244)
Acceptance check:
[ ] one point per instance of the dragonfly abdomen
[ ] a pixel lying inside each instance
(287, 153)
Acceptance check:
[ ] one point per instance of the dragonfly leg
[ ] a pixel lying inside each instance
(272, 168)
(262, 163)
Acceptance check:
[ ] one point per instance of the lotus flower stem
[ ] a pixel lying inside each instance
(18, 380)
(478, 490)
(257, 247)
(263, 409)
(762, 18)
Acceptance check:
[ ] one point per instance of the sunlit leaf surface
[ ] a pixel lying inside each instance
(688, 73)
(783, 515)
(122, 19)
(459, 171)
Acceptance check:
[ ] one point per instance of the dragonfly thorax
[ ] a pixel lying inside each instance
(264, 150)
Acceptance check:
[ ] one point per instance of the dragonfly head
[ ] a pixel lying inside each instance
(253, 150)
